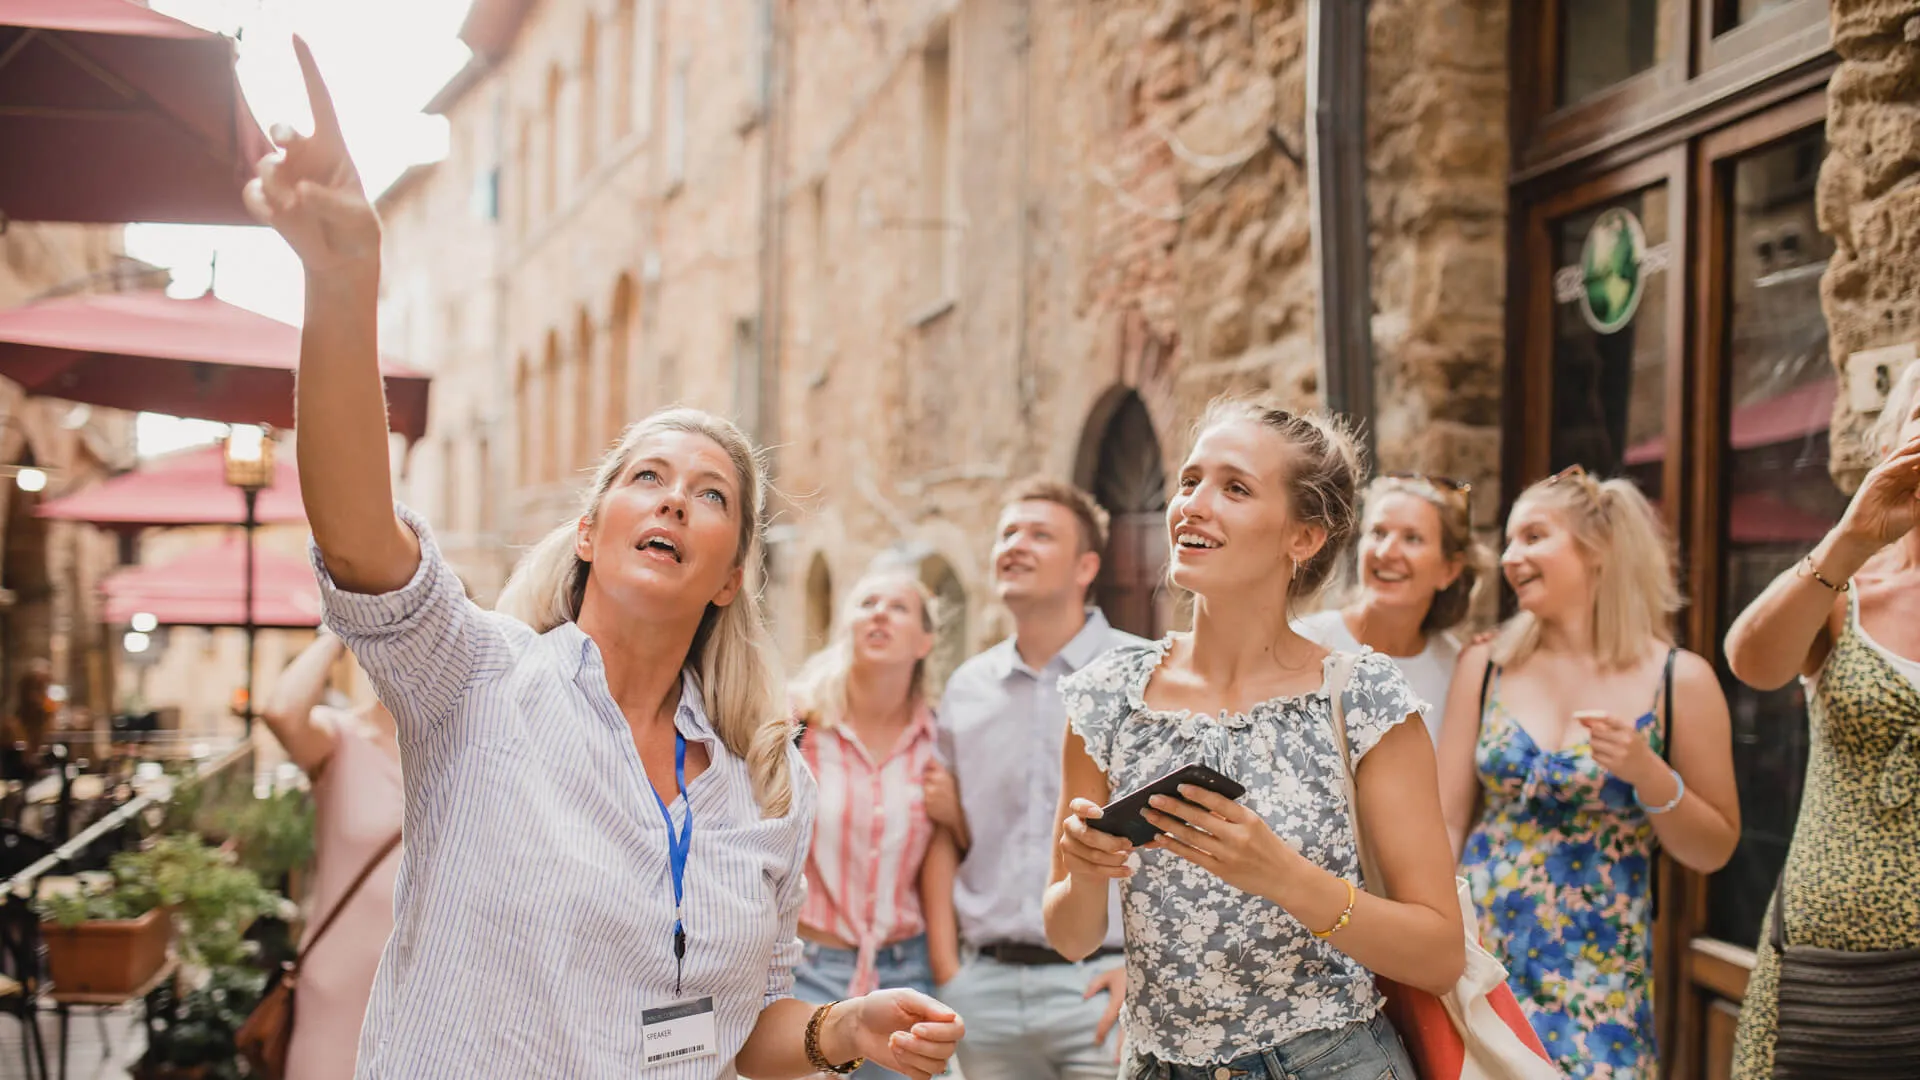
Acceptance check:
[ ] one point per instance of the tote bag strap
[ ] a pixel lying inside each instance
(340, 905)
(1337, 681)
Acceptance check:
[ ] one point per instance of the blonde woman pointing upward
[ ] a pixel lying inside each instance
(606, 820)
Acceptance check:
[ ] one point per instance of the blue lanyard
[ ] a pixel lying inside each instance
(679, 846)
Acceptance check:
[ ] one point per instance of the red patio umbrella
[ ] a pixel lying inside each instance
(187, 488)
(206, 586)
(202, 358)
(110, 112)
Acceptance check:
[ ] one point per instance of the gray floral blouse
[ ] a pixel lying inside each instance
(1214, 974)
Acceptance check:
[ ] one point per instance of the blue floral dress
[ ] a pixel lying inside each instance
(1559, 865)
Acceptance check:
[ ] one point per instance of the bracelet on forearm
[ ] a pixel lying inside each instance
(817, 1059)
(1345, 916)
(1681, 784)
(1808, 570)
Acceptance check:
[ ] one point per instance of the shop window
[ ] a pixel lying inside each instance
(1741, 12)
(937, 130)
(1606, 42)
(1779, 498)
(589, 101)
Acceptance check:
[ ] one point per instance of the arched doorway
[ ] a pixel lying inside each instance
(819, 604)
(950, 620)
(1120, 465)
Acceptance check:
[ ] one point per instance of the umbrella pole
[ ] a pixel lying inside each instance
(252, 496)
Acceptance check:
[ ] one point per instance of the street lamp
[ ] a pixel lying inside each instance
(249, 458)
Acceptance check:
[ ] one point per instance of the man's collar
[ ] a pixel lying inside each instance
(1079, 651)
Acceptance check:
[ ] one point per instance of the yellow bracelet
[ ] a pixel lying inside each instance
(1345, 916)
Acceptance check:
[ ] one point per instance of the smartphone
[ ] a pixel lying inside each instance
(1123, 816)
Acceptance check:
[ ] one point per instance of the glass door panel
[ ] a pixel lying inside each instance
(1778, 499)
(1610, 338)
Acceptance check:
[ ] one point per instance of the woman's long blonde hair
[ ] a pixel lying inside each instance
(819, 691)
(1634, 594)
(732, 658)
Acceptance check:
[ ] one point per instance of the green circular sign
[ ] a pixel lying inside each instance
(1610, 270)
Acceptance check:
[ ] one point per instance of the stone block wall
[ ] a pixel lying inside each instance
(1869, 199)
(1118, 216)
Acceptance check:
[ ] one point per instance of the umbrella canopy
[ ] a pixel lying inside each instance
(110, 112)
(206, 586)
(201, 358)
(187, 488)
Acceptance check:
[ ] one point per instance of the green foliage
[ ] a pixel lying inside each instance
(89, 905)
(274, 834)
(214, 900)
(198, 1029)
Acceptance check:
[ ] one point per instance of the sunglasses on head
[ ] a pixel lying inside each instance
(1443, 483)
(1457, 492)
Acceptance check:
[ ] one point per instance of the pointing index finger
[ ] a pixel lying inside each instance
(326, 121)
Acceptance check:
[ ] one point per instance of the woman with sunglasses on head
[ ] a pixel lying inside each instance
(606, 820)
(1575, 742)
(1418, 567)
(1842, 621)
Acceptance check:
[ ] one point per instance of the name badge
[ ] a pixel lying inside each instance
(679, 1032)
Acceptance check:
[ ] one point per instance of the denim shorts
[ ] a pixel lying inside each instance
(1365, 1051)
(825, 973)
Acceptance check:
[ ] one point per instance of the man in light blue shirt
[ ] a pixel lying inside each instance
(1031, 1015)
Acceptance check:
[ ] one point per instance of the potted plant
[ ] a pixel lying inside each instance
(110, 936)
(107, 940)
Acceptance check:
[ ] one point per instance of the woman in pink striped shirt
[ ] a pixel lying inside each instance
(879, 908)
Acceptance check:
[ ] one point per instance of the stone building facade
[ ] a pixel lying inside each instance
(49, 601)
(1011, 230)
(923, 248)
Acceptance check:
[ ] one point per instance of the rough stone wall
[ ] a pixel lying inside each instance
(1166, 249)
(1869, 199)
(1436, 115)
(1119, 220)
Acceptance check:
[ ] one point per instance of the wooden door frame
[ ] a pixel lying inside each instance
(1705, 964)
(1705, 78)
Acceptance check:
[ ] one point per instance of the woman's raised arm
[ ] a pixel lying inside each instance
(311, 194)
(1788, 629)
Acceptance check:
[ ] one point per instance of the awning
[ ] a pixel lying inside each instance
(1805, 410)
(1761, 517)
(206, 586)
(187, 488)
(202, 358)
(110, 113)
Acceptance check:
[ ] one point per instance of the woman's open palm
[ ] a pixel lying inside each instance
(309, 191)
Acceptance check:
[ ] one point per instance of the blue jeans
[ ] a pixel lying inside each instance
(825, 974)
(1032, 1023)
(1369, 1051)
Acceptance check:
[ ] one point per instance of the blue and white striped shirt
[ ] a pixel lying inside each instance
(534, 905)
